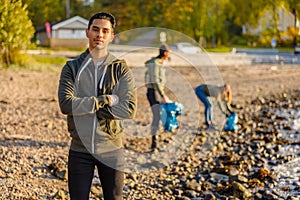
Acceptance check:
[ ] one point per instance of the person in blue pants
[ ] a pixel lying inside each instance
(223, 96)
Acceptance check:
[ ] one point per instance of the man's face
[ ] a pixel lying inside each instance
(100, 34)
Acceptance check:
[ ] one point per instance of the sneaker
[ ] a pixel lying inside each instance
(211, 127)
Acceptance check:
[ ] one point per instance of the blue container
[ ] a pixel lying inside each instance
(169, 113)
(231, 123)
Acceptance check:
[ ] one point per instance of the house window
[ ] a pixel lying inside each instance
(71, 34)
(65, 34)
(79, 34)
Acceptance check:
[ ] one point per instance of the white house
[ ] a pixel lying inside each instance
(69, 33)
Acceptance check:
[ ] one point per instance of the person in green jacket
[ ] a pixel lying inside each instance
(155, 80)
(97, 92)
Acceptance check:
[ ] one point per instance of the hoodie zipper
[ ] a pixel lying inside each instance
(95, 117)
(81, 70)
(100, 88)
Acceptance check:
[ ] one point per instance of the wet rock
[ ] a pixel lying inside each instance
(268, 195)
(233, 171)
(209, 196)
(193, 185)
(238, 178)
(255, 183)
(59, 169)
(240, 191)
(177, 192)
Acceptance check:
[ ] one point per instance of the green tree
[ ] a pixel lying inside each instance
(246, 12)
(16, 30)
(294, 7)
(271, 23)
(217, 22)
(42, 11)
(200, 19)
(135, 14)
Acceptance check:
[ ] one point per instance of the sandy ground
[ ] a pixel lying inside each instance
(33, 131)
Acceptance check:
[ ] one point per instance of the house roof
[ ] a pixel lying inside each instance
(71, 21)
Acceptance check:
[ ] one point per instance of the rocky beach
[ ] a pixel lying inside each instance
(259, 161)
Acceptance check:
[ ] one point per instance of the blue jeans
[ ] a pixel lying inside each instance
(208, 111)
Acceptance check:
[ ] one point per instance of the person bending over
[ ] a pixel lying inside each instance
(223, 96)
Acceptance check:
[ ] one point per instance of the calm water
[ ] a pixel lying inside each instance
(289, 173)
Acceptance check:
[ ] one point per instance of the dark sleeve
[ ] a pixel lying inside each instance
(68, 102)
(126, 91)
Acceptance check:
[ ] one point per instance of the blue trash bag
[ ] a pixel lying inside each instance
(231, 123)
(169, 113)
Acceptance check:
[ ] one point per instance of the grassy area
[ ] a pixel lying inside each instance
(219, 50)
(49, 60)
(41, 63)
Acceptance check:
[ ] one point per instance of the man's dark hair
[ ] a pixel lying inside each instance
(103, 15)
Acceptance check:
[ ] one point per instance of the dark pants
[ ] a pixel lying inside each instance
(155, 108)
(81, 168)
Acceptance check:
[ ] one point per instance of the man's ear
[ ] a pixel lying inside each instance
(87, 32)
(112, 36)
